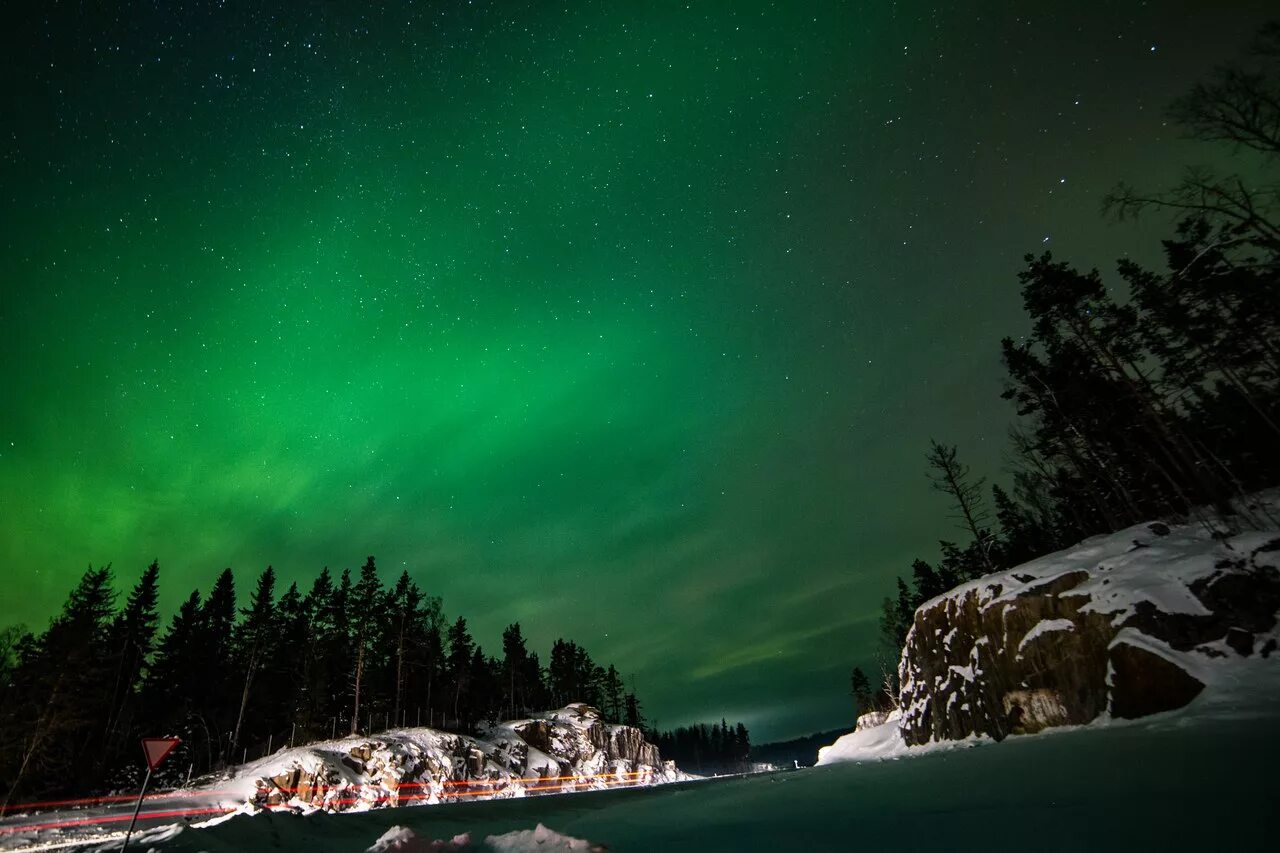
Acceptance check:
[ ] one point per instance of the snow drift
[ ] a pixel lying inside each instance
(402, 839)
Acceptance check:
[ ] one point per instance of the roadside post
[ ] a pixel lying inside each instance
(156, 750)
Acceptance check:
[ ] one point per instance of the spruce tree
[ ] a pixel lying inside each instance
(515, 668)
(631, 712)
(611, 690)
(458, 665)
(253, 640)
(860, 689)
(65, 678)
(131, 639)
(366, 607)
(217, 696)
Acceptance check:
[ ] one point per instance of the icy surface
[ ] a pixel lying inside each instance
(1172, 783)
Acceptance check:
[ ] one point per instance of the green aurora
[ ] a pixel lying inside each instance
(630, 322)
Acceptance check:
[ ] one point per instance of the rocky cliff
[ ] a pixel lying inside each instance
(566, 750)
(1122, 626)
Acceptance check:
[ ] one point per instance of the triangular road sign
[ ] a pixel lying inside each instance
(157, 749)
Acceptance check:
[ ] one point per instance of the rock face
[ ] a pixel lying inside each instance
(870, 720)
(1128, 624)
(1146, 683)
(569, 749)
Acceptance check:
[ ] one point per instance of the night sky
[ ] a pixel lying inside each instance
(627, 321)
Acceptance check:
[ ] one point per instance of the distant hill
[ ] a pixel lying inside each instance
(801, 749)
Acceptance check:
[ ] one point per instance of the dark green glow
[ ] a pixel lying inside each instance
(628, 322)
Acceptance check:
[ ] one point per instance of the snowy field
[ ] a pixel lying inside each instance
(1172, 783)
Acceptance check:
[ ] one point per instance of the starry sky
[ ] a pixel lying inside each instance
(627, 321)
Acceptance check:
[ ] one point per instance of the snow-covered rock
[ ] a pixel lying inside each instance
(1124, 625)
(402, 839)
(871, 719)
(571, 749)
(1153, 618)
(869, 741)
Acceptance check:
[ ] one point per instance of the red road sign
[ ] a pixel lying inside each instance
(157, 749)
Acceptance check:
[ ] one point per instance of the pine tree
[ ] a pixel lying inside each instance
(366, 604)
(13, 638)
(631, 712)
(432, 667)
(65, 679)
(1023, 537)
(131, 638)
(611, 691)
(860, 689)
(928, 582)
(252, 642)
(515, 667)
(404, 631)
(283, 682)
(338, 653)
(314, 701)
(217, 695)
(458, 664)
(174, 674)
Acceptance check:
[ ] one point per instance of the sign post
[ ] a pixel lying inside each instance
(156, 750)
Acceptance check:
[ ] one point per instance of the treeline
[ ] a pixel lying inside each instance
(801, 750)
(348, 655)
(1152, 394)
(704, 749)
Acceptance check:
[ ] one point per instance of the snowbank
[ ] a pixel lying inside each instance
(402, 839)
(867, 743)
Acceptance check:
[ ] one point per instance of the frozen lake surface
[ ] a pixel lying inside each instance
(1173, 784)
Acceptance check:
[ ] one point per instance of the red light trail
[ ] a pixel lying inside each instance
(540, 785)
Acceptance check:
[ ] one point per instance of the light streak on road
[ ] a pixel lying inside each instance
(390, 798)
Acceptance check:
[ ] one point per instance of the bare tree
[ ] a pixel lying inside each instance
(889, 681)
(952, 477)
(1240, 105)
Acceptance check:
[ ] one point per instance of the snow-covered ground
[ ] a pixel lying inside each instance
(569, 750)
(1206, 784)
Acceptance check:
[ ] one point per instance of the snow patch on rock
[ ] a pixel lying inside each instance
(1046, 626)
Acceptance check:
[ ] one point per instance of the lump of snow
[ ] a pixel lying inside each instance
(402, 839)
(540, 840)
(869, 744)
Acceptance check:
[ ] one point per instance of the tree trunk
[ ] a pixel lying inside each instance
(244, 697)
(355, 713)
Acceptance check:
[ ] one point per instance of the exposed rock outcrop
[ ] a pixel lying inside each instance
(568, 749)
(1128, 625)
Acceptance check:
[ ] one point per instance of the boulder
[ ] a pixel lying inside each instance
(573, 746)
(1103, 626)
